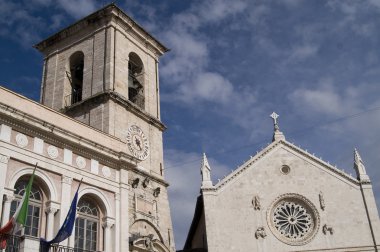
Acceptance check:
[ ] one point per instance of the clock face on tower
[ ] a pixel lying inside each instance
(137, 142)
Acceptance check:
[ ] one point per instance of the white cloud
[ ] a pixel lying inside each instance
(211, 87)
(303, 52)
(324, 101)
(216, 10)
(78, 8)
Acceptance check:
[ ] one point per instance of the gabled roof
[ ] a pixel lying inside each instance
(236, 173)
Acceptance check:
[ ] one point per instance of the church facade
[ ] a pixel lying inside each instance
(285, 199)
(98, 120)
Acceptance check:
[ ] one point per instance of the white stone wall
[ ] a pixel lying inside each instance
(231, 220)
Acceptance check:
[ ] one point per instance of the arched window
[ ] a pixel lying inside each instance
(76, 76)
(136, 80)
(86, 226)
(33, 218)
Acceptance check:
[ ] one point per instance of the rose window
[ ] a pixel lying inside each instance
(293, 219)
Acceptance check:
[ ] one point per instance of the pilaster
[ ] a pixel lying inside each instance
(3, 170)
(65, 200)
(107, 224)
(51, 209)
(9, 197)
(124, 210)
(117, 224)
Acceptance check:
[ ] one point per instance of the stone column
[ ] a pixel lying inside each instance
(3, 170)
(65, 201)
(107, 225)
(117, 224)
(124, 211)
(9, 197)
(51, 209)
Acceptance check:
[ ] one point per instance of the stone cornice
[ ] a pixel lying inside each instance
(267, 150)
(61, 137)
(321, 162)
(128, 105)
(108, 13)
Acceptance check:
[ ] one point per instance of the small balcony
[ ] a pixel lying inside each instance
(74, 97)
(11, 243)
(58, 248)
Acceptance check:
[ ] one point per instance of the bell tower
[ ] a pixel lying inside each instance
(103, 71)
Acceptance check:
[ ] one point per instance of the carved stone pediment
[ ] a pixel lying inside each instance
(147, 244)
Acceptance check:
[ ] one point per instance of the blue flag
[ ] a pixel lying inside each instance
(67, 227)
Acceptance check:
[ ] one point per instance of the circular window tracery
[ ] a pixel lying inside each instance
(293, 219)
(285, 169)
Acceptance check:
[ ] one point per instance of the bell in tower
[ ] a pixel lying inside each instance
(103, 71)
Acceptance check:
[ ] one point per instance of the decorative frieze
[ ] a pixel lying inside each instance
(108, 222)
(94, 166)
(38, 145)
(9, 197)
(327, 229)
(21, 140)
(106, 171)
(256, 202)
(260, 233)
(67, 156)
(67, 180)
(322, 201)
(4, 159)
(52, 151)
(81, 162)
(5, 133)
(51, 210)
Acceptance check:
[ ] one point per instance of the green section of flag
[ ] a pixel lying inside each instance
(21, 217)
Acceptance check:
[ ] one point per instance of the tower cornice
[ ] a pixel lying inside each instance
(107, 15)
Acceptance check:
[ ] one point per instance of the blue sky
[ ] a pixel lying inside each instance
(231, 64)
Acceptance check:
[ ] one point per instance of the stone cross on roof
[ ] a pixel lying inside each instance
(277, 133)
(274, 116)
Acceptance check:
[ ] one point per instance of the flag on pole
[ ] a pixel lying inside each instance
(67, 227)
(19, 217)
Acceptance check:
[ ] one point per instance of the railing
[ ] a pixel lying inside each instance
(58, 248)
(74, 97)
(11, 243)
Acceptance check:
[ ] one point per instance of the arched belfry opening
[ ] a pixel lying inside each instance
(75, 76)
(136, 80)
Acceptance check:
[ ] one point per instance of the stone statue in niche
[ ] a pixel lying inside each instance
(156, 192)
(260, 233)
(135, 182)
(327, 229)
(256, 203)
(146, 182)
(322, 201)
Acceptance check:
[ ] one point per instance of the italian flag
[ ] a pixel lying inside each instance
(19, 217)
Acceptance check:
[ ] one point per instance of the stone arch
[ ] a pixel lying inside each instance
(136, 80)
(75, 74)
(47, 184)
(100, 198)
(135, 224)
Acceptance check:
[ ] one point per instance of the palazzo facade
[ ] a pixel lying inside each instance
(98, 120)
